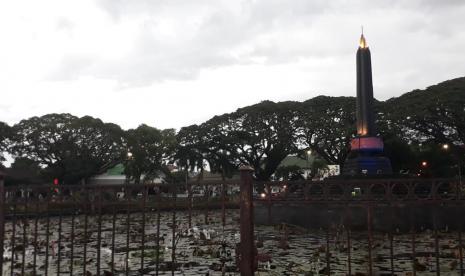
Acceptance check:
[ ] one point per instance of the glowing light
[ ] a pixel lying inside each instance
(284, 186)
(129, 154)
(363, 42)
(445, 146)
(424, 163)
(262, 195)
(361, 130)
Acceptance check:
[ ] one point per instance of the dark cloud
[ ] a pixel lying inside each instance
(222, 35)
(177, 39)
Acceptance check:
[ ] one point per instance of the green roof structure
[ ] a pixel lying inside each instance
(302, 163)
(116, 170)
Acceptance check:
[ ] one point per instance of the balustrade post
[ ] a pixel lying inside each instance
(247, 223)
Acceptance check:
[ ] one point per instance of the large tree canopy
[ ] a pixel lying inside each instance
(329, 125)
(197, 146)
(260, 135)
(71, 149)
(436, 113)
(190, 148)
(150, 150)
(413, 126)
(264, 134)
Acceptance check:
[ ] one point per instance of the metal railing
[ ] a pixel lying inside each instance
(361, 190)
(408, 208)
(102, 229)
(159, 229)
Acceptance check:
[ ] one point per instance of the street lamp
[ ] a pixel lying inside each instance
(446, 148)
(126, 165)
(423, 168)
(309, 152)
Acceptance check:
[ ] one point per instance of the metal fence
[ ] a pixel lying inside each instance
(333, 227)
(417, 222)
(94, 230)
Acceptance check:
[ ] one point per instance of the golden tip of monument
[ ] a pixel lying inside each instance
(363, 42)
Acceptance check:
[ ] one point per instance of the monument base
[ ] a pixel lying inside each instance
(367, 165)
(366, 157)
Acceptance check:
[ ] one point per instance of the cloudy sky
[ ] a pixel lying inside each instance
(172, 63)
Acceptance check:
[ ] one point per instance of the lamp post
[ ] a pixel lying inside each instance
(309, 152)
(459, 163)
(126, 165)
(460, 171)
(423, 168)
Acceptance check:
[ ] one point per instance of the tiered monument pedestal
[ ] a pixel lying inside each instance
(366, 157)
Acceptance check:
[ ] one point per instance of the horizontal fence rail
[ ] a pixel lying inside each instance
(362, 190)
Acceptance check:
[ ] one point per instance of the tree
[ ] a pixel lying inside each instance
(71, 149)
(329, 124)
(191, 149)
(260, 135)
(438, 163)
(5, 133)
(292, 172)
(150, 150)
(427, 119)
(434, 114)
(204, 145)
(402, 155)
(24, 171)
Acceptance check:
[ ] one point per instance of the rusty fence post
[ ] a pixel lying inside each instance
(206, 200)
(223, 204)
(2, 219)
(391, 238)
(247, 223)
(370, 237)
(144, 207)
(460, 247)
(413, 239)
(436, 239)
(268, 192)
(173, 230)
(189, 204)
(348, 223)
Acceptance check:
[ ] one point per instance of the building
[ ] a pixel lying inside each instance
(115, 176)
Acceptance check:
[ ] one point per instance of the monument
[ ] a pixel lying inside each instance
(366, 149)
